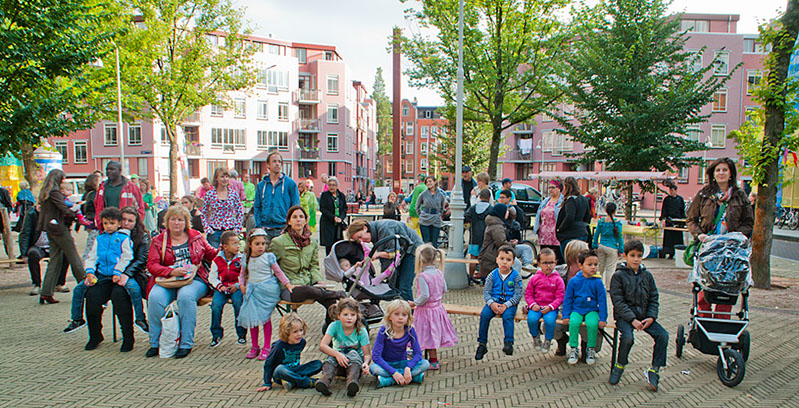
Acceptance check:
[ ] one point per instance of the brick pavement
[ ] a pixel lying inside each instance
(43, 367)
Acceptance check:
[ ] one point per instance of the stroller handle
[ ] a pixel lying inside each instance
(368, 259)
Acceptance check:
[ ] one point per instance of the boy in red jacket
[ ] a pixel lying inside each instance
(224, 278)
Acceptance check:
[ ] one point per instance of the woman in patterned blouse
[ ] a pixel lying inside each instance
(222, 211)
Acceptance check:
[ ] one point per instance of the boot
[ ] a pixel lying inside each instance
(353, 375)
(323, 384)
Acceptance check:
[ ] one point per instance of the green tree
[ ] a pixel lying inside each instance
(175, 61)
(772, 131)
(633, 88)
(47, 46)
(476, 136)
(384, 119)
(512, 54)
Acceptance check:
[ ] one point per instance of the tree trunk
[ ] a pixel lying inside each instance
(496, 137)
(773, 133)
(628, 208)
(173, 162)
(30, 166)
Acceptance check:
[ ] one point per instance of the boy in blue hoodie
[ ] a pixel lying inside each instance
(585, 302)
(502, 293)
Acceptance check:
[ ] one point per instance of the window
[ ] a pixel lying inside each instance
(328, 55)
(409, 128)
(389, 165)
(262, 78)
(424, 130)
(273, 49)
(720, 101)
(753, 78)
(111, 135)
(428, 114)
(547, 140)
(546, 118)
(409, 166)
(217, 110)
(423, 148)
(215, 164)
(277, 80)
(283, 111)
(700, 171)
(750, 113)
(142, 166)
(194, 168)
(565, 143)
(332, 84)
(134, 135)
(694, 61)
(331, 169)
(332, 142)
(692, 132)
(332, 113)
(423, 165)
(164, 136)
(272, 140)
(718, 136)
(263, 110)
(721, 59)
(409, 147)
(696, 26)
(405, 110)
(63, 148)
(239, 108)
(81, 151)
(228, 138)
(434, 131)
(300, 53)
(682, 177)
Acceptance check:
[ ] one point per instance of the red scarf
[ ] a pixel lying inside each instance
(301, 240)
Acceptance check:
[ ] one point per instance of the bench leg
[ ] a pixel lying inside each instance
(614, 348)
(281, 309)
(114, 321)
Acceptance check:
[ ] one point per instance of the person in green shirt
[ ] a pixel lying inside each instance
(413, 216)
(308, 203)
(249, 192)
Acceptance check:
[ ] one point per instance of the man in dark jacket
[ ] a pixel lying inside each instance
(33, 246)
(635, 306)
(476, 217)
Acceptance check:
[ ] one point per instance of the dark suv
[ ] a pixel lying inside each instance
(527, 197)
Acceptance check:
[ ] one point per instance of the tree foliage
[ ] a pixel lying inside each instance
(384, 119)
(182, 55)
(512, 54)
(476, 136)
(47, 46)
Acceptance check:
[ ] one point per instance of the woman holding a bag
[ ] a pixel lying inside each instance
(718, 208)
(175, 262)
(333, 206)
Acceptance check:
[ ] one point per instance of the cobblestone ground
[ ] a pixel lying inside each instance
(40, 366)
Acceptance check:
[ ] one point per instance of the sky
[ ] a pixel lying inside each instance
(360, 29)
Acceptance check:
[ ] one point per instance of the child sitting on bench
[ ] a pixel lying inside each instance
(502, 293)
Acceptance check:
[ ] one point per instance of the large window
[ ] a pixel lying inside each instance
(300, 53)
(720, 101)
(63, 148)
(263, 110)
(283, 111)
(228, 138)
(718, 136)
(332, 142)
(721, 59)
(81, 151)
(424, 131)
(134, 135)
(547, 140)
(694, 61)
(332, 113)
(142, 166)
(110, 135)
(262, 78)
(693, 132)
(409, 166)
(278, 80)
(405, 110)
(239, 108)
(270, 140)
(753, 78)
(217, 110)
(332, 84)
(409, 147)
(696, 26)
(409, 128)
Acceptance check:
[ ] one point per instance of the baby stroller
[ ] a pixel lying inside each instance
(362, 285)
(721, 270)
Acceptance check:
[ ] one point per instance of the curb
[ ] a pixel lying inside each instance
(782, 237)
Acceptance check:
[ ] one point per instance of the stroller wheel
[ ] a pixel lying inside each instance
(680, 340)
(735, 371)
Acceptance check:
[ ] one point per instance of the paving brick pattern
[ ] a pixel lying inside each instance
(40, 366)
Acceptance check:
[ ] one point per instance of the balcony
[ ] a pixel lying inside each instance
(308, 125)
(194, 150)
(307, 153)
(194, 118)
(523, 128)
(516, 155)
(361, 172)
(307, 96)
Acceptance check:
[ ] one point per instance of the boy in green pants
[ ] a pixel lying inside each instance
(585, 302)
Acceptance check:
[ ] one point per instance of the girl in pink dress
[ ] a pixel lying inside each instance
(431, 320)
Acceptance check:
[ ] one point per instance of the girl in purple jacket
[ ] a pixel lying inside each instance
(391, 364)
(544, 295)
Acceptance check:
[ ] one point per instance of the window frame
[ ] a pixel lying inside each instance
(284, 106)
(723, 129)
(240, 108)
(263, 110)
(106, 127)
(723, 63)
(62, 144)
(332, 136)
(332, 90)
(332, 115)
(131, 127)
(715, 105)
(85, 145)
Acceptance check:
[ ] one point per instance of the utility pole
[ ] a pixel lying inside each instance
(396, 164)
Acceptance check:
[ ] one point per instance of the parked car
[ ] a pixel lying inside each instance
(528, 198)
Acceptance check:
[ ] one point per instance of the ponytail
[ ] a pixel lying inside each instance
(610, 209)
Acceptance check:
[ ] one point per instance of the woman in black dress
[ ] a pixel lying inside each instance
(673, 208)
(333, 205)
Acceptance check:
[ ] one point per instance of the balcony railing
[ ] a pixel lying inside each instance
(309, 153)
(194, 150)
(193, 118)
(308, 125)
(517, 155)
(307, 96)
(523, 128)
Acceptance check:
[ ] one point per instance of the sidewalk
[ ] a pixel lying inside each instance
(786, 234)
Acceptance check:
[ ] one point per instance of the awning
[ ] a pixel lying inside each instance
(608, 175)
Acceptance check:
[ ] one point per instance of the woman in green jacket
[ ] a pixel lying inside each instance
(298, 257)
(308, 203)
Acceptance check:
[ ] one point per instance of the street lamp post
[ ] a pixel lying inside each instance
(120, 133)
(455, 272)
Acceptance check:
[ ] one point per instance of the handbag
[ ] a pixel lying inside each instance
(175, 282)
(692, 248)
(170, 332)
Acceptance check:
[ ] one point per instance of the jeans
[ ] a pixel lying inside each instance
(187, 298)
(430, 234)
(298, 376)
(563, 244)
(405, 274)
(352, 357)
(626, 340)
(131, 286)
(525, 253)
(508, 323)
(214, 238)
(420, 367)
(220, 299)
(591, 325)
(549, 323)
(90, 238)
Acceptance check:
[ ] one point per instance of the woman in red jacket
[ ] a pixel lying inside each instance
(172, 253)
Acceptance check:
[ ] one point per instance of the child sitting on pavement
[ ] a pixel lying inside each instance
(282, 365)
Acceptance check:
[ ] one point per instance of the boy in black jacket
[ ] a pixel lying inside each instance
(635, 306)
(282, 366)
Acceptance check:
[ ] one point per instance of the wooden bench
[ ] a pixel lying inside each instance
(462, 261)
(521, 316)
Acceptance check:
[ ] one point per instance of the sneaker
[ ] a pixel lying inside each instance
(615, 373)
(142, 325)
(182, 352)
(286, 385)
(36, 291)
(74, 325)
(384, 381)
(508, 348)
(62, 288)
(242, 340)
(574, 356)
(590, 359)
(253, 352)
(435, 366)
(151, 352)
(545, 346)
(264, 354)
(652, 378)
(481, 351)
(215, 341)
(418, 378)
(537, 342)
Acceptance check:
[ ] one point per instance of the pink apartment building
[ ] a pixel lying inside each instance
(535, 147)
(305, 104)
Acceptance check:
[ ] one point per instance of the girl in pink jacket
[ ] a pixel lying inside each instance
(544, 295)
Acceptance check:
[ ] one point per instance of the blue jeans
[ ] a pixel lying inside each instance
(220, 299)
(563, 244)
(508, 323)
(214, 238)
(430, 234)
(420, 367)
(549, 323)
(133, 289)
(187, 298)
(298, 376)
(525, 253)
(405, 274)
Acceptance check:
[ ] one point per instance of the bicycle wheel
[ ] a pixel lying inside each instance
(794, 220)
